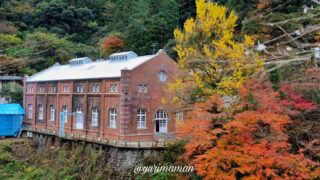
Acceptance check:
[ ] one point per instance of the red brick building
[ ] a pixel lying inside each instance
(119, 98)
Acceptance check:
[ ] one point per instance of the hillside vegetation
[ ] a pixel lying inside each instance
(34, 34)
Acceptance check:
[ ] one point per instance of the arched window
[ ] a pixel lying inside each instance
(97, 88)
(31, 89)
(95, 116)
(65, 110)
(160, 119)
(53, 88)
(93, 88)
(145, 88)
(111, 88)
(52, 113)
(79, 118)
(40, 112)
(79, 88)
(160, 115)
(113, 117)
(141, 118)
(116, 88)
(140, 88)
(65, 88)
(30, 111)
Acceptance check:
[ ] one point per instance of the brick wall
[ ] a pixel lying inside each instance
(124, 96)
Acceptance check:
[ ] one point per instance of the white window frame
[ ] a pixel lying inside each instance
(79, 118)
(141, 119)
(52, 113)
(41, 89)
(53, 88)
(65, 88)
(97, 88)
(30, 111)
(145, 88)
(162, 117)
(111, 88)
(65, 110)
(115, 87)
(95, 117)
(162, 76)
(113, 118)
(179, 116)
(31, 89)
(93, 88)
(40, 112)
(140, 88)
(79, 88)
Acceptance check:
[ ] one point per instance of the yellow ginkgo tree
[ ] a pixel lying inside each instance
(208, 52)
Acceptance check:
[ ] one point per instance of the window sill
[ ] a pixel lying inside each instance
(111, 127)
(141, 128)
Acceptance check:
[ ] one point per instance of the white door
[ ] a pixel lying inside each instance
(161, 119)
(163, 125)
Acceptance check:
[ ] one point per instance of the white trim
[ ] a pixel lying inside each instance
(65, 110)
(79, 119)
(162, 117)
(113, 118)
(40, 112)
(29, 111)
(52, 113)
(141, 119)
(95, 116)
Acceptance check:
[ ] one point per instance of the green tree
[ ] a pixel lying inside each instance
(43, 50)
(151, 23)
(12, 93)
(8, 41)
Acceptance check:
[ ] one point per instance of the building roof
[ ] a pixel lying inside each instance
(11, 109)
(122, 53)
(11, 78)
(92, 70)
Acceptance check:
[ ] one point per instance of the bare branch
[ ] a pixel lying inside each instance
(285, 32)
(309, 30)
(316, 1)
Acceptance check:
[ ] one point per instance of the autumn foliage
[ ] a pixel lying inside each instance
(113, 44)
(248, 142)
(264, 4)
(208, 51)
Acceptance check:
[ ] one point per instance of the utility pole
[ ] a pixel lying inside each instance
(153, 45)
(100, 54)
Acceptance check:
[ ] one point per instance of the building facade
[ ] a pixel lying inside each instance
(116, 99)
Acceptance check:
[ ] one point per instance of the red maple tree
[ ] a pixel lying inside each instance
(113, 44)
(247, 142)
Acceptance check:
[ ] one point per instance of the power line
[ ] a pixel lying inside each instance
(251, 19)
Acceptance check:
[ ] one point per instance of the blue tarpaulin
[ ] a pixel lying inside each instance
(10, 119)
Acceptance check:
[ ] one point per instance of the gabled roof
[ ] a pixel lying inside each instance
(93, 70)
(11, 109)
